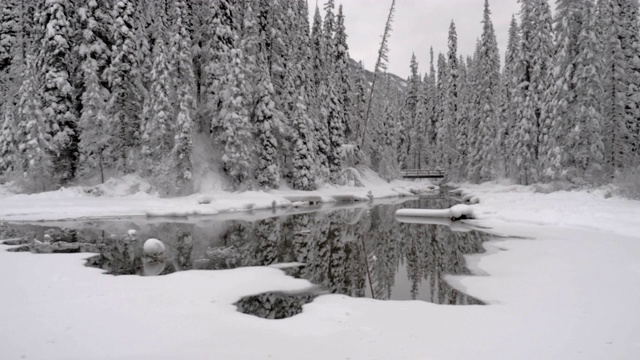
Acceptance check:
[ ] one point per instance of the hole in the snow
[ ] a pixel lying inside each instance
(277, 305)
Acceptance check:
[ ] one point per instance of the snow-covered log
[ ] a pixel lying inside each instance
(456, 212)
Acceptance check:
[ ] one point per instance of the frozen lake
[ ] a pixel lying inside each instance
(357, 250)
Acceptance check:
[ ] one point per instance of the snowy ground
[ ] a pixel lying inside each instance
(566, 287)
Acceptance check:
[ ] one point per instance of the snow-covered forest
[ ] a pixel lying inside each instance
(565, 105)
(99, 88)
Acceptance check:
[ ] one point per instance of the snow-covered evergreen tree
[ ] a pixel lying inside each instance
(483, 156)
(629, 35)
(59, 108)
(430, 88)
(233, 119)
(467, 116)
(332, 101)
(198, 22)
(439, 131)
(390, 138)
(8, 143)
(185, 84)
(414, 116)
(532, 77)
(614, 20)
(342, 75)
(448, 128)
(268, 169)
(303, 177)
(93, 121)
(558, 115)
(125, 81)
(33, 138)
(584, 138)
(95, 21)
(222, 41)
(320, 129)
(508, 120)
(9, 28)
(157, 127)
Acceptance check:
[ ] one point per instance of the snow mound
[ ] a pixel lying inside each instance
(128, 185)
(465, 195)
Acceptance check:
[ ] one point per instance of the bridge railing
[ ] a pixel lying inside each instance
(425, 173)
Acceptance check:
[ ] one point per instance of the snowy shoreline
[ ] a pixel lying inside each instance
(561, 286)
(122, 198)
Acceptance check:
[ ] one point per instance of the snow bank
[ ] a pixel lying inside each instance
(465, 195)
(128, 185)
(568, 292)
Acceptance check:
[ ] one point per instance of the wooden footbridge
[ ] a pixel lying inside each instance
(422, 173)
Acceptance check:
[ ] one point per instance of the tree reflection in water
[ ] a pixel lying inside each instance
(360, 252)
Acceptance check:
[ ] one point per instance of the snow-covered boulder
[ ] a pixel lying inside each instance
(154, 249)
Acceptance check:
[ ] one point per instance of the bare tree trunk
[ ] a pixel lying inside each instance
(380, 65)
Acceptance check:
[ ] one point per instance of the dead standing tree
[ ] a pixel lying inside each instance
(381, 66)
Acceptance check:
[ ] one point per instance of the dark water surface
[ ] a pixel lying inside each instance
(361, 251)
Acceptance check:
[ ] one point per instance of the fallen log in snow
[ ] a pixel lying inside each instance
(456, 212)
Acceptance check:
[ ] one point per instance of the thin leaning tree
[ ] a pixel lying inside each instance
(381, 66)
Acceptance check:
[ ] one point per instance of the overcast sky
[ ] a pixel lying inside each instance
(417, 25)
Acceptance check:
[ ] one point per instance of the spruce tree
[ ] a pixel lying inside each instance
(303, 176)
(185, 85)
(613, 33)
(508, 119)
(268, 168)
(95, 21)
(235, 131)
(483, 158)
(629, 35)
(222, 41)
(34, 138)
(532, 77)
(8, 144)
(558, 115)
(467, 116)
(584, 138)
(59, 108)
(342, 76)
(322, 147)
(125, 81)
(332, 106)
(431, 93)
(448, 128)
(9, 28)
(157, 128)
(439, 131)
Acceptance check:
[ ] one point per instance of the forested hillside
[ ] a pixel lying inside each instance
(91, 89)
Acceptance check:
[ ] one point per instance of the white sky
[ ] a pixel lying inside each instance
(417, 25)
